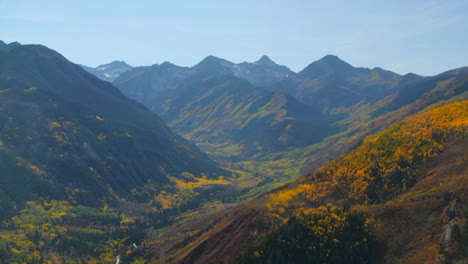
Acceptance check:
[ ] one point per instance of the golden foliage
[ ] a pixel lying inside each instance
(381, 167)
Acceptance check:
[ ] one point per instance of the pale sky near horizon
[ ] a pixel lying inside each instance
(424, 37)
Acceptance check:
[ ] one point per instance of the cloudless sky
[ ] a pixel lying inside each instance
(425, 37)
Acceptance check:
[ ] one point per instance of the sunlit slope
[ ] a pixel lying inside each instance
(411, 178)
(230, 118)
(370, 118)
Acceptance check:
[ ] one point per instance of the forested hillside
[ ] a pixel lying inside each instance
(411, 177)
(79, 161)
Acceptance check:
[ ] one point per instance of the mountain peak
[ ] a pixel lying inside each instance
(167, 64)
(212, 59)
(113, 64)
(214, 65)
(333, 60)
(117, 62)
(11, 45)
(265, 60)
(327, 64)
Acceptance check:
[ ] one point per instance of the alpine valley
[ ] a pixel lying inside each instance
(229, 162)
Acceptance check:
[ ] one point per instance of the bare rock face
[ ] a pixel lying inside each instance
(452, 216)
(447, 233)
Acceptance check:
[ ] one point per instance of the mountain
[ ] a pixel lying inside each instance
(330, 83)
(334, 85)
(363, 121)
(89, 175)
(229, 117)
(67, 135)
(11, 45)
(348, 97)
(398, 197)
(144, 83)
(373, 117)
(211, 105)
(110, 71)
(263, 72)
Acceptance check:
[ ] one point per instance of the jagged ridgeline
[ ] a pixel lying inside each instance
(223, 107)
(66, 135)
(392, 198)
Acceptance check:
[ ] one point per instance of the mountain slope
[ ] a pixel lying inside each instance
(373, 117)
(229, 112)
(329, 83)
(411, 178)
(360, 99)
(68, 135)
(145, 82)
(210, 105)
(333, 84)
(110, 71)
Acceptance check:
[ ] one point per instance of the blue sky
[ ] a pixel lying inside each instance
(425, 37)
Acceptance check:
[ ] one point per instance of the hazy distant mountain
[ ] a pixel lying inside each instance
(211, 104)
(110, 71)
(263, 72)
(333, 85)
(329, 85)
(65, 130)
(228, 111)
(11, 45)
(144, 83)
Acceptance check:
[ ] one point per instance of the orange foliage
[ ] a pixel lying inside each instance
(381, 167)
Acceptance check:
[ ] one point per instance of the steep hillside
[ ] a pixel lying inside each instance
(68, 135)
(373, 117)
(223, 114)
(230, 118)
(410, 178)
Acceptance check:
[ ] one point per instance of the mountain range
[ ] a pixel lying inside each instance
(229, 163)
(329, 83)
(197, 101)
